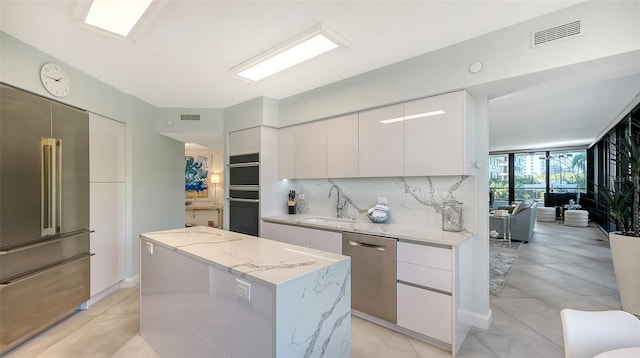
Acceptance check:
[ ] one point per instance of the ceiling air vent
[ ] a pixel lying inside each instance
(555, 33)
(189, 117)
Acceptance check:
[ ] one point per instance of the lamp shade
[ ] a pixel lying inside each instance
(215, 178)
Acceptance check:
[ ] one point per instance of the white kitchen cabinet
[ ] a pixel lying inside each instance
(107, 202)
(439, 258)
(380, 142)
(326, 241)
(434, 290)
(286, 153)
(246, 141)
(438, 135)
(311, 150)
(106, 149)
(316, 239)
(342, 146)
(302, 151)
(107, 217)
(425, 312)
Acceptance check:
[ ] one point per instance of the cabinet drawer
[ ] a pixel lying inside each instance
(425, 276)
(425, 312)
(429, 256)
(34, 301)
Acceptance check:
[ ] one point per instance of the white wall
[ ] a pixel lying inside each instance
(206, 132)
(244, 115)
(609, 28)
(154, 163)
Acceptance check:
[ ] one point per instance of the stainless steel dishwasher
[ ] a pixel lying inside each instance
(373, 274)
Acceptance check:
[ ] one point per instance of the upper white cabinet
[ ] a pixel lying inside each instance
(380, 142)
(302, 151)
(106, 149)
(438, 135)
(430, 136)
(286, 153)
(342, 146)
(245, 141)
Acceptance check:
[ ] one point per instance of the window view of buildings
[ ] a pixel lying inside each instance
(520, 176)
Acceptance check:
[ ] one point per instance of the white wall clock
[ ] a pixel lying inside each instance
(55, 80)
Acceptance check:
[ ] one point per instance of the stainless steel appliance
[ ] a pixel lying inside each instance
(44, 213)
(373, 274)
(244, 193)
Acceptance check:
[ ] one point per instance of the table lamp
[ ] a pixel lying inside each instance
(215, 179)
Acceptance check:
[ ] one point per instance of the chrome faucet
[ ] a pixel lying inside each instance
(338, 207)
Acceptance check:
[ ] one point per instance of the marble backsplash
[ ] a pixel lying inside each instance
(411, 200)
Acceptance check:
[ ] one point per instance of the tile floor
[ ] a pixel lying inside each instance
(562, 267)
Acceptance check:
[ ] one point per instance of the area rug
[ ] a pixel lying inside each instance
(500, 265)
(506, 244)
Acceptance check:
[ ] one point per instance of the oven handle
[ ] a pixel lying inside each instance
(245, 187)
(244, 200)
(244, 165)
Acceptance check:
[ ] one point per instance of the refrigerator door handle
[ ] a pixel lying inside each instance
(57, 184)
(51, 181)
(46, 192)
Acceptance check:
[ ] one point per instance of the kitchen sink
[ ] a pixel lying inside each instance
(326, 220)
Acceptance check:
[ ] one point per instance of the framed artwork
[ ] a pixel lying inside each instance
(196, 177)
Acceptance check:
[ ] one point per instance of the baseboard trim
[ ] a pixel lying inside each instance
(100, 295)
(483, 321)
(130, 282)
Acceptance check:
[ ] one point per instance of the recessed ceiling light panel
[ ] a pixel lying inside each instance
(302, 47)
(117, 16)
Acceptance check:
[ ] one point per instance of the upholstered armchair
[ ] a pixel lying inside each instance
(523, 221)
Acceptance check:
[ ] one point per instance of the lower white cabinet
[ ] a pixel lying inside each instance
(426, 312)
(434, 282)
(107, 217)
(316, 239)
(434, 294)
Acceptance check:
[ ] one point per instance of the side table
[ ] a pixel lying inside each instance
(506, 225)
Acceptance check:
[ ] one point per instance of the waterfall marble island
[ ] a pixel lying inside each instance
(209, 292)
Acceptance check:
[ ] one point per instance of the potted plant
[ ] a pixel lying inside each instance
(623, 200)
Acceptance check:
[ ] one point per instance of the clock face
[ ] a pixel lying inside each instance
(55, 80)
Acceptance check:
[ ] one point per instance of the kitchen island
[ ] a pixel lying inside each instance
(209, 292)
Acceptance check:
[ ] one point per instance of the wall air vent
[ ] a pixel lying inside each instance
(556, 33)
(189, 117)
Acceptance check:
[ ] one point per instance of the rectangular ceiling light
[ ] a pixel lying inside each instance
(413, 116)
(304, 46)
(117, 16)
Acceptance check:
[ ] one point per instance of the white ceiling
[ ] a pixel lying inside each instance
(181, 54)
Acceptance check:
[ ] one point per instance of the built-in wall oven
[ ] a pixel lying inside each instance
(244, 193)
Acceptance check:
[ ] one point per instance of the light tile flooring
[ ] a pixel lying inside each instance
(562, 267)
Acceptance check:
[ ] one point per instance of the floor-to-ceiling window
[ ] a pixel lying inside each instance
(551, 177)
(567, 171)
(605, 171)
(499, 179)
(530, 176)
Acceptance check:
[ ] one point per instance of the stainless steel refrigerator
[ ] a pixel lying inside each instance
(44, 213)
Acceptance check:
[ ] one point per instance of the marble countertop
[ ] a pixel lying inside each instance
(267, 261)
(397, 231)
